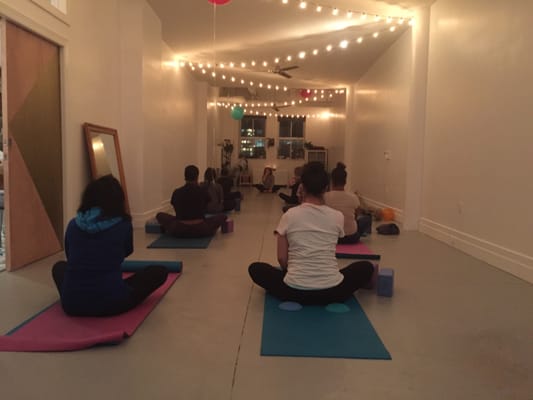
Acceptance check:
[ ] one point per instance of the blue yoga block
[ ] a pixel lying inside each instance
(152, 226)
(385, 282)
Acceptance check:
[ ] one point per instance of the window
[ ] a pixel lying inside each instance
(252, 138)
(291, 137)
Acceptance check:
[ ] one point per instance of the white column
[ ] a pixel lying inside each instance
(416, 119)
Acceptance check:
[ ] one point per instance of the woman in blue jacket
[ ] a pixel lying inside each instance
(90, 282)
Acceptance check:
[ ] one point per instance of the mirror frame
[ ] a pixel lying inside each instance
(91, 129)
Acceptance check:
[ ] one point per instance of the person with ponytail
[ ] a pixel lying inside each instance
(306, 242)
(345, 202)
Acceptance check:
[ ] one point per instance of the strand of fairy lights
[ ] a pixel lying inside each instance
(305, 5)
(301, 55)
(315, 95)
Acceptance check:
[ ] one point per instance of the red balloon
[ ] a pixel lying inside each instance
(218, 2)
(305, 93)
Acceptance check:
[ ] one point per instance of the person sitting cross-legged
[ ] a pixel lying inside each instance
(190, 205)
(90, 282)
(306, 242)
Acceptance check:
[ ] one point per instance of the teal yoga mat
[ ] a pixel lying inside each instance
(137, 265)
(171, 242)
(315, 332)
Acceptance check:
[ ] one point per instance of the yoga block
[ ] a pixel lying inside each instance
(237, 204)
(152, 226)
(386, 282)
(227, 226)
(374, 280)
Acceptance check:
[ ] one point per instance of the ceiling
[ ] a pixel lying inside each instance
(262, 30)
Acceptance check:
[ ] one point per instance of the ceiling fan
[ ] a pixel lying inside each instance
(278, 69)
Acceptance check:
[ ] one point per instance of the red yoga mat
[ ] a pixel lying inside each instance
(53, 330)
(355, 250)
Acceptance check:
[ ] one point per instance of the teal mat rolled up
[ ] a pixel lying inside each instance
(171, 242)
(314, 331)
(137, 265)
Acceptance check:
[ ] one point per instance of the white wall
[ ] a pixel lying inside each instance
(478, 186)
(112, 76)
(378, 111)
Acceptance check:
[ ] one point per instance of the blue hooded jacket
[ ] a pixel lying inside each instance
(95, 249)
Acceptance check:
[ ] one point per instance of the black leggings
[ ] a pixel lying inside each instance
(262, 188)
(208, 227)
(356, 275)
(142, 283)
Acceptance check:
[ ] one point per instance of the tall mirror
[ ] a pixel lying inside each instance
(104, 154)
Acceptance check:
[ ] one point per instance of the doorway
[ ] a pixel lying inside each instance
(32, 150)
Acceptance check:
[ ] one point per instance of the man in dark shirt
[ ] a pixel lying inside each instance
(190, 205)
(230, 197)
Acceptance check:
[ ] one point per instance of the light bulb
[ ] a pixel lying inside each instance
(360, 39)
(233, 79)
(363, 15)
(253, 63)
(265, 63)
(377, 18)
(375, 34)
(276, 60)
(343, 44)
(301, 54)
(315, 52)
(329, 47)
(401, 21)
(303, 5)
(392, 28)
(285, 1)
(389, 20)
(349, 14)
(289, 58)
(318, 8)
(231, 65)
(335, 11)
(243, 65)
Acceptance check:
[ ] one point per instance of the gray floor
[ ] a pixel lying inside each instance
(456, 329)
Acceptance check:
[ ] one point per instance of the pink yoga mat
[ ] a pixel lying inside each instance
(358, 248)
(53, 330)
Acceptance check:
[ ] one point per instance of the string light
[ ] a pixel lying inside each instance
(304, 4)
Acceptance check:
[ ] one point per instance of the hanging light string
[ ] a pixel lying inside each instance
(311, 6)
(254, 65)
(315, 95)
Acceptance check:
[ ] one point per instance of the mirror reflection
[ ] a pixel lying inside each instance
(104, 153)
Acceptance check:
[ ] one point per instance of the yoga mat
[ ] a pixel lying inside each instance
(315, 332)
(358, 250)
(137, 265)
(171, 242)
(52, 330)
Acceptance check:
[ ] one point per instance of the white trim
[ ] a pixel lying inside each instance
(517, 264)
(398, 214)
(139, 219)
(61, 15)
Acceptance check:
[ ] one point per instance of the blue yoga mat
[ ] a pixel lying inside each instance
(315, 332)
(171, 242)
(137, 265)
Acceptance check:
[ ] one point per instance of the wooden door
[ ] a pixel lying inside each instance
(32, 146)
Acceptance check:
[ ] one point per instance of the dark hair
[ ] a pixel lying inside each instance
(209, 175)
(224, 171)
(107, 194)
(191, 173)
(315, 178)
(338, 175)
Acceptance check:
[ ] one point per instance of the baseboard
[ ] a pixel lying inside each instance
(515, 263)
(398, 214)
(139, 219)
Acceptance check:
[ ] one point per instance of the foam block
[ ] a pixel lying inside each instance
(227, 226)
(152, 226)
(385, 283)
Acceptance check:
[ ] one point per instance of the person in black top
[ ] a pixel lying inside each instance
(230, 197)
(190, 205)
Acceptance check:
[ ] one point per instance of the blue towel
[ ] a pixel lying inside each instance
(171, 242)
(315, 332)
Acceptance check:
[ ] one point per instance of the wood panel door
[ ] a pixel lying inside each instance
(32, 146)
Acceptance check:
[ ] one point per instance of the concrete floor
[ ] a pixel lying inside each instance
(456, 328)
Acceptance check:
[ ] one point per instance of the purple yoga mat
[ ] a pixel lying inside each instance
(53, 330)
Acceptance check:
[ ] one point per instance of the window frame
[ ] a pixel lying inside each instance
(253, 139)
(292, 138)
